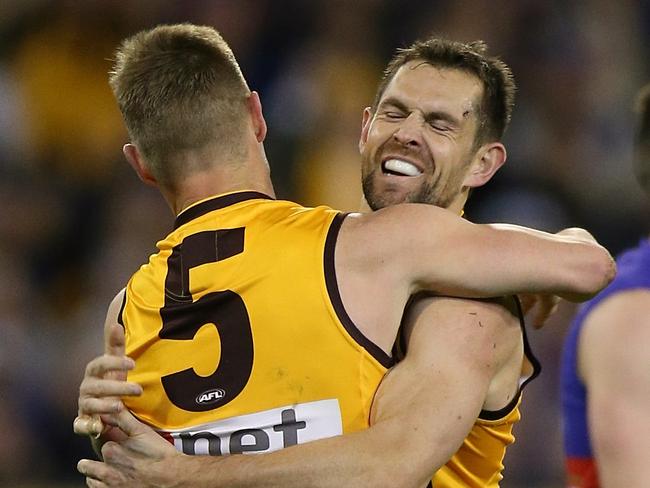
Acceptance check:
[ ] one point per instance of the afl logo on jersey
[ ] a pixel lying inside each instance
(210, 396)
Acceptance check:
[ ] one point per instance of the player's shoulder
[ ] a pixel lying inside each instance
(402, 214)
(616, 331)
(284, 212)
(116, 302)
(393, 225)
(625, 311)
(627, 297)
(115, 308)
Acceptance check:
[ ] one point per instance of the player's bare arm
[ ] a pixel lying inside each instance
(615, 365)
(438, 251)
(410, 247)
(423, 411)
(470, 360)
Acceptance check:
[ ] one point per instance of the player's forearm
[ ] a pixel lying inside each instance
(359, 460)
(572, 261)
(470, 260)
(399, 449)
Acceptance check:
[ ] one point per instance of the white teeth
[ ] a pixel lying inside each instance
(402, 167)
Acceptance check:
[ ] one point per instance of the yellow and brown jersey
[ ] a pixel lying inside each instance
(239, 335)
(478, 463)
(479, 460)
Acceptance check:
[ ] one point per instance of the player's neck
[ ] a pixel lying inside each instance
(218, 181)
(457, 205)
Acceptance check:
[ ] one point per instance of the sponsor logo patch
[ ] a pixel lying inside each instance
(265, 431)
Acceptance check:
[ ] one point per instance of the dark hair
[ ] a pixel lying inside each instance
(642, 139)
(498, 82)
(179, 88)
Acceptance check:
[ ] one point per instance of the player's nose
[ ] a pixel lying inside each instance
(409, 132)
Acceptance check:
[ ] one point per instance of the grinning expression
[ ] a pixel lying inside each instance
(418, 147)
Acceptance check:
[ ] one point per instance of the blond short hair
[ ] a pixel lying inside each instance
(179, 89)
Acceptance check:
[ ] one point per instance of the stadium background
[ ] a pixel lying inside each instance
(75, 222)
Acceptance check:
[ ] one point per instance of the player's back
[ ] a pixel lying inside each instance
(240, 339)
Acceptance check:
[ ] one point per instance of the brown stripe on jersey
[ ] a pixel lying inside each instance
(182, 317)
(528, 352)
(230, 242)
(215, 204)
(503, 412)
(196, 250)
(335, 296)
(120, 318)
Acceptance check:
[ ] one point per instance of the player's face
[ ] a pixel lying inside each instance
(419, 145)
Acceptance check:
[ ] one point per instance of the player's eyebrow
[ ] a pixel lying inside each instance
(442, 116)
(394, 102)
(428, 116)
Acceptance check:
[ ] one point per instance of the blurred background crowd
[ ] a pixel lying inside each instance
(75, 222)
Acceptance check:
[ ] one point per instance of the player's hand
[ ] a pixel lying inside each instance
(538, 307)
(103, 385)
(143, 459)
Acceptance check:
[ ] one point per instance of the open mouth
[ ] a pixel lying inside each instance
(399, 167)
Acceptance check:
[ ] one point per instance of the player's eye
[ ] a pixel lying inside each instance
(439, 126)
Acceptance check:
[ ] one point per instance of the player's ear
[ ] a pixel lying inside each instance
(134, 158)
(365, 127)
(489, 158)
(255, 110)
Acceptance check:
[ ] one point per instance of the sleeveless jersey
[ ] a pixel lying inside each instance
(238, 332)
(478, 463)
(633, 273)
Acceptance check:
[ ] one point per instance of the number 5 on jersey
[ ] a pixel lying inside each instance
(182, 317)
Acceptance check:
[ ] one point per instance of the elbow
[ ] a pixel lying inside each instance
(610, 271)
(605, 270)
(595, 266)
(599, 272)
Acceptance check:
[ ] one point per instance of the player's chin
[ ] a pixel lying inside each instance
(390, 198)
(393, 190)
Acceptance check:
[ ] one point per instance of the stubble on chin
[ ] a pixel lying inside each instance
(372, 196)
(425, 194)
